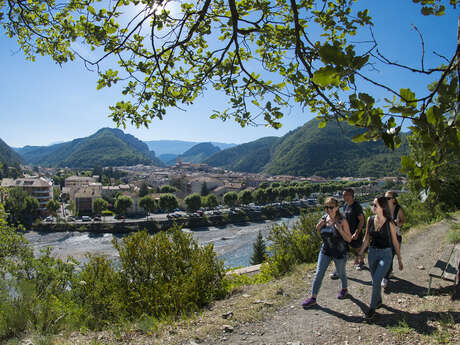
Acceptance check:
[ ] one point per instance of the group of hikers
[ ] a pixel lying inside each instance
(382, 238)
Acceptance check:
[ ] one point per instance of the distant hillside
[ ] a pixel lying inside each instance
(249, 157)
(168, 158)
(7, 155)
(178, 147)
(309, 150)
(107, 147)
(330, 152)
(197, 154)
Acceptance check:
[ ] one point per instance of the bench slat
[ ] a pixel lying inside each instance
(450, 273)
(438, 269)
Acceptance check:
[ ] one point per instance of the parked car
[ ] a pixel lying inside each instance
(119, 216)
(97, 218)
(85, 218)
(49, 219)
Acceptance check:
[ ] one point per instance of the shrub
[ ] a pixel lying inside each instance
(290, 247)
(418, 212)
(98, 292)
(453, 235)
(38, 297)
(168, 273)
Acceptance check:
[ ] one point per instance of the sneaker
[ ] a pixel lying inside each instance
(370, 314)
(342, 294)
(359, 267)
(334, 276)
(384, 283)
(309, 302)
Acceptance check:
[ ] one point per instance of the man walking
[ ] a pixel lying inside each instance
(355, 217)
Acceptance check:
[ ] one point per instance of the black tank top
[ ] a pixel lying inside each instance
(333, 243)
(380, 239)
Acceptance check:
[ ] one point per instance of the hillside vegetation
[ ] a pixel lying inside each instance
(8, 155)
(177, 147)
(107, 147)
(310, 150)
(197, 153)
(250, 157)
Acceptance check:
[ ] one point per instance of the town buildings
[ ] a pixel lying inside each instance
(38, 187)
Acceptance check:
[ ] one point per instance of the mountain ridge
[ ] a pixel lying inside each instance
(310, 150)
(178, 147)
(106, 147)
(197, 153)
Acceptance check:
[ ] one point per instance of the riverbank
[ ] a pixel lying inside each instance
(239, 217)
(233, 243)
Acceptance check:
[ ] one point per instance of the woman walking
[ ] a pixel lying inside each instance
(397, 215)
(381, 235)
(335, 233)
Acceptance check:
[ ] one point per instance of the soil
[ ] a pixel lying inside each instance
(272, 313)
(408, 315)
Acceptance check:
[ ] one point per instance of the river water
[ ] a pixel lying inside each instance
(233, 243)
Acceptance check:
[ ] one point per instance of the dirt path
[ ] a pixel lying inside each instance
(272, 313)
(407, 317)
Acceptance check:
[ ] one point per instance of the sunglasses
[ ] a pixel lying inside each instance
(328, 207)
(389, 197)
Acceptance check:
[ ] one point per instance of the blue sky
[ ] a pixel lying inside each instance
(42, 103)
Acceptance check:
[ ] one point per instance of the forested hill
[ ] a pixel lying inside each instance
(197, 153)
(309, 150)
(7, 155)
(107, 147)
(250, 157)
(178, 147)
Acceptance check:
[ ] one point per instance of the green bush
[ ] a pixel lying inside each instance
(38, 297)
(418, 212)
(453, 235)
(168, 273)
(290, 247)
(98, 292)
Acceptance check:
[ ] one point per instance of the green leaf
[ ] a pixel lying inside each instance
(369, 100)
(431, 116)
(360, 138)
(407, 95)
(322, 124)
(326, 76)
(332, 54)
(407, 163)
(426, 11)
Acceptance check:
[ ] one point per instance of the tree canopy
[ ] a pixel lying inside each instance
(263, 55)
(122, 203)
(193, 202)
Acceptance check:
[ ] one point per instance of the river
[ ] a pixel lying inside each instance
(233, 243)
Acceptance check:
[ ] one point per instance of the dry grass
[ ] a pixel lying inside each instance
(246, 304)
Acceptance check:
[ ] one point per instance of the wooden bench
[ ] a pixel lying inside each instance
(446, 267)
